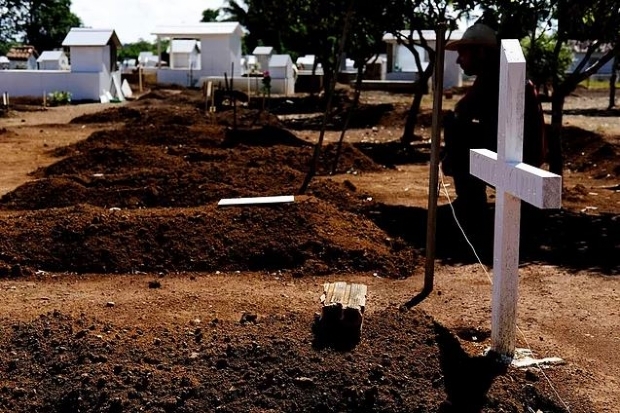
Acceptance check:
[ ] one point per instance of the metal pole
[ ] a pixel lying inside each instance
(433, 186)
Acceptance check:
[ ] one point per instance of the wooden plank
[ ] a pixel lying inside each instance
(257, 200)
(343, 308)
(535, 186)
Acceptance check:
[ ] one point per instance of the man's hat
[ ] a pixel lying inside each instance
(477, 35)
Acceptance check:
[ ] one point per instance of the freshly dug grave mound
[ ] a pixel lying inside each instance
(153, 173)
(169, 136)
(404, 363)
(155, 187)
(586, 151)
(139, 177)
(309, 235)
(110, 115)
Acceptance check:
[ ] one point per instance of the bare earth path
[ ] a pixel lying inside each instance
(572, 314)
(30, 136)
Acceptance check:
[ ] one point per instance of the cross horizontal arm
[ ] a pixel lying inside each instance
(533, 185)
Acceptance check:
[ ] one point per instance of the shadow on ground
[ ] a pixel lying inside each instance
(568, 239)
(594, 112)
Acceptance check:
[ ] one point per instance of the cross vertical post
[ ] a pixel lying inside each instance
(514, 181)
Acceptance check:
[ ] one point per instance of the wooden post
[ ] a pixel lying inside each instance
(433, 185)
(514, 181)
(140, 72)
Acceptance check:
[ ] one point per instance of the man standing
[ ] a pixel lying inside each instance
(473, 123)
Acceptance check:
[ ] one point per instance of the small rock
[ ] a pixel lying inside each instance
(386, 360)
(154, 284)
(81, 334)
(221, 364)
(531, 375)
(19, 392)
(110, 304)
(248, 318)
(304, 381)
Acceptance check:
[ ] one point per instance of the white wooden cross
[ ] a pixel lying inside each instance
(514, 181)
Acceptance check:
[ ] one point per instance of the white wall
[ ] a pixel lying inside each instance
(83, 86)
(452, 76)
(185, 60)
(30, 64)
(179, 60)
(281, 72)
(90, 59)
(181, 77)
(60, 64)
(408, 71)
(263, 62)
(253, 85)
(217, 55)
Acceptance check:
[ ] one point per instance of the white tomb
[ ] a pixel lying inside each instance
(282, 74)
(263, 55)
(53, 60)
(401, 65)
(514, 181)
(93, 69)
(220, 52)
(184, 54)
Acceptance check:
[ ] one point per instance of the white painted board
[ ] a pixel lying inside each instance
(257, 200)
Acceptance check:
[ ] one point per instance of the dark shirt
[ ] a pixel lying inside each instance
(479, 106)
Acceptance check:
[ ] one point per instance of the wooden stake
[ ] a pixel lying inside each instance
(343, 308)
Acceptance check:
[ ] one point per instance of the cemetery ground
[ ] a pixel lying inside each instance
(126, 288)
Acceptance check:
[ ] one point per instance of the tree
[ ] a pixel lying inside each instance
(9, 12)
(424, 15)
(593, 23)
(541, 62)
(45, 23)
(612, 82)
(210, 15)
(132, 50)
(370, 21)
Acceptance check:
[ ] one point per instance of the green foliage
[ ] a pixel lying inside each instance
(59, 98)
(9, 12)
(132, 50)
(47, 22)
(41, 23)
(210, 15)
(542, 66)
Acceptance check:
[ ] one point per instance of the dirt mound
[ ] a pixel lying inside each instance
(111, 115)
(162, 158)
(586, 151)
(171, 136)
(406, 363)
(308, 235)
(264, 136)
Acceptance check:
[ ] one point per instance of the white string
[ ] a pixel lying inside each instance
(484, 269)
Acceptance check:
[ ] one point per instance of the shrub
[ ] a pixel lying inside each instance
(59, 98)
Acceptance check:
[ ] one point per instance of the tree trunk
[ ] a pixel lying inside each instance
(330, 94)
(554, 140)
(414, 110)
(612, 83)
(352, 108)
